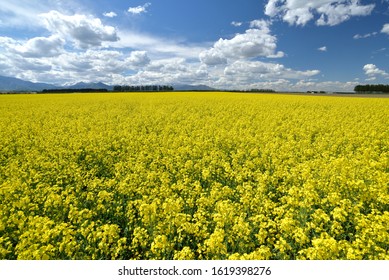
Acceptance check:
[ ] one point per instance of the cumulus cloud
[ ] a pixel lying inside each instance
(36, 47)
(110, 14)
(300, 12)
(373, 71)
(18, 61)
(385, 29)
(138, 58)
(84, 31)
(45, 60)
(169, 71)
(101, 63)
(255, 42)
(254, 70)
(139, 9)
(213, 57)
(41, 47)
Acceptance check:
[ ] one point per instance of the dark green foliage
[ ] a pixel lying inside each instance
(372, 88)
(143, 88)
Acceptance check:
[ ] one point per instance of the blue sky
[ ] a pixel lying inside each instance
(278, 44)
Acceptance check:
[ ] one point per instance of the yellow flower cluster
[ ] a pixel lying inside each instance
(193, 176)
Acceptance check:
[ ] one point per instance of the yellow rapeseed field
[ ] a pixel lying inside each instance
(193, 176)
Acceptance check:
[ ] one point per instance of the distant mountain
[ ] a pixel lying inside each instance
(179, 87)
(14, 84)
(83, 85)
(9, 84)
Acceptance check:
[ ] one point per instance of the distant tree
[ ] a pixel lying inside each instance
(372, 88)
(127, 88)
(261, 90)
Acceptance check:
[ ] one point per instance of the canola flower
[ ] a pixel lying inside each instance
(193, 176)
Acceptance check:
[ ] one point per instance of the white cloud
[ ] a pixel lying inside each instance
(334, 86)
(305, 85)
(322, 49)
(25, 13)
(41, 47)
(84, 31)
(18, 13)
(35, 60)
(255, 42)
(385, 29)
(37, 47)
(236, 23)
(300, 12)
(373, 71)
(169, 71)
(139, 9)
(359, 36)
(138, 58)
(16, 63)
(157, 46)
(257, 70)
(110, 14)
(213, 57)
(7, 43)
(333, 14)
(97, 65)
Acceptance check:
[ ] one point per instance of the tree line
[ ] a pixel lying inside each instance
(372, 88)
(143, 88)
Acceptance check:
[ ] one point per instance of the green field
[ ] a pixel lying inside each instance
(189, 175)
